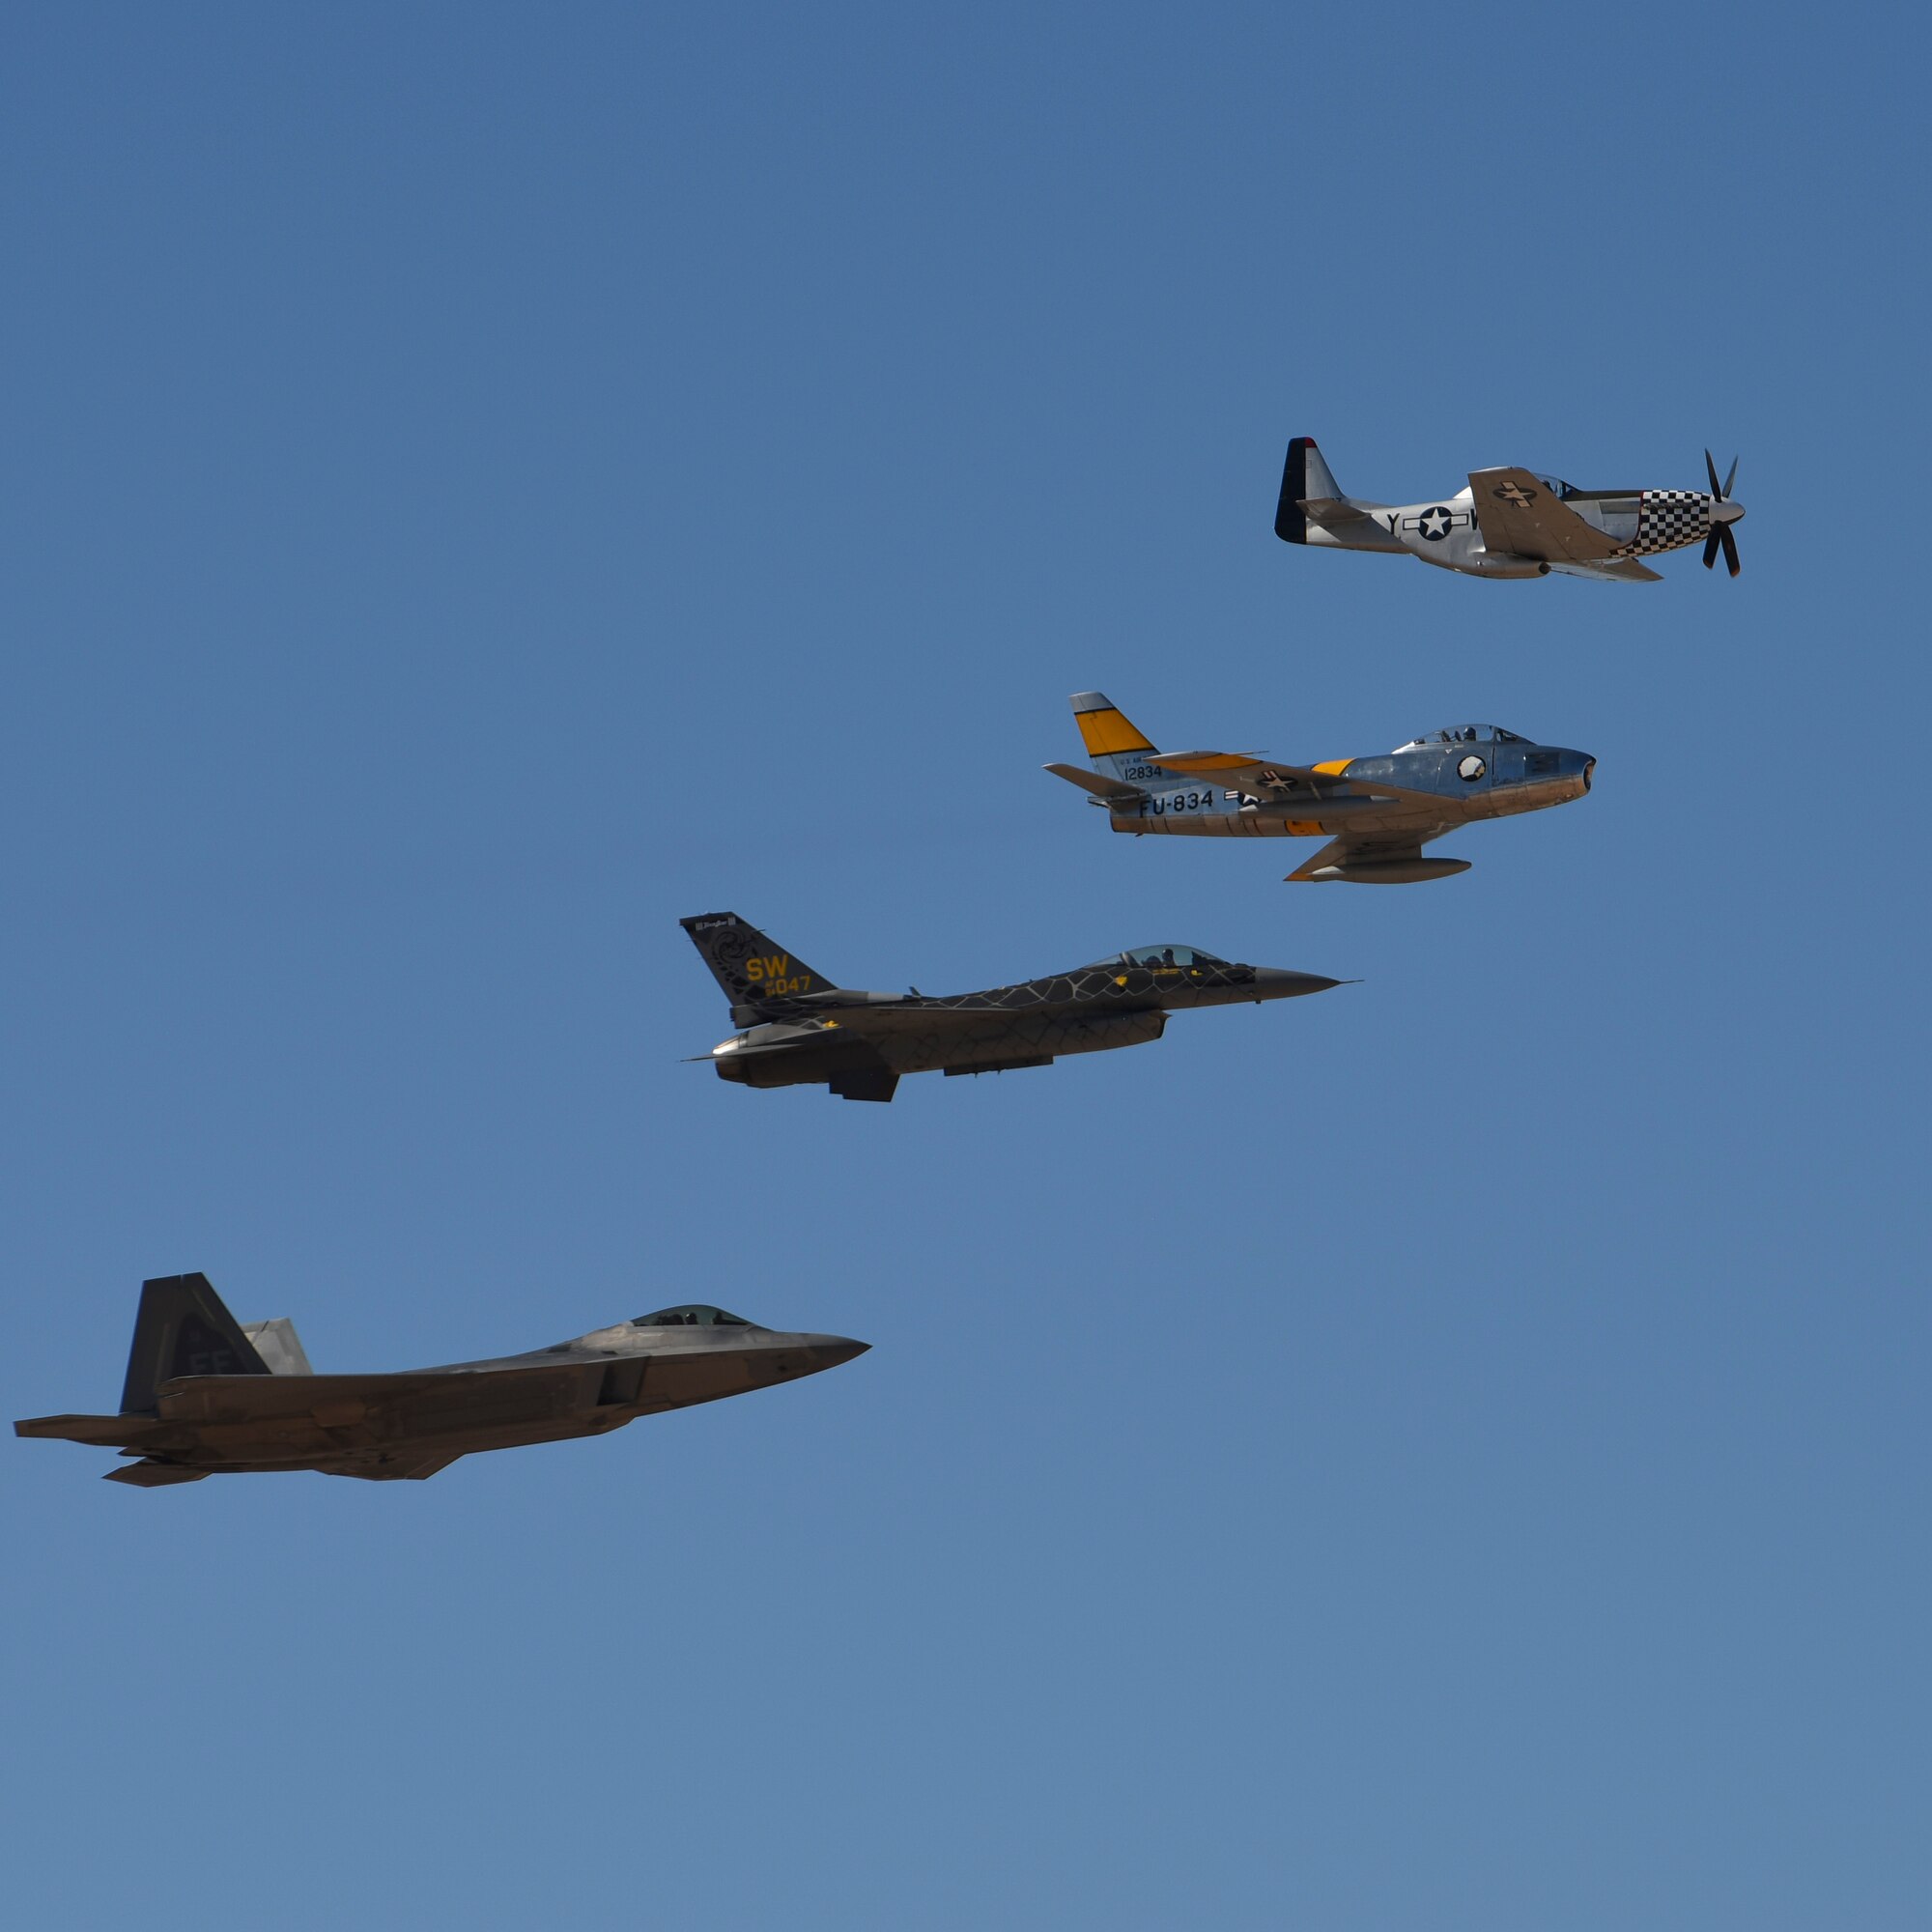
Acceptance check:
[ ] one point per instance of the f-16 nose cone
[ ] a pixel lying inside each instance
(1276, 983)
(1727, 513)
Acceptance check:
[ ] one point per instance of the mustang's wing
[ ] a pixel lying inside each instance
(1517, 514)
(1616, 570)
(1356, 848)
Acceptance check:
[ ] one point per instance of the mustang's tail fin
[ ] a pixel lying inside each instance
(1304, 478)
(183, 1329)
(748, 965)
(1114, 745)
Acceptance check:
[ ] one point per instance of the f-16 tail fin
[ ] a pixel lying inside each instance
(183, 1329)
(748, 965)
(1113, 743)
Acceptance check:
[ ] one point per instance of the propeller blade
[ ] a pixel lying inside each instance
(1712, 469)
(1730, 543)
(1711, 546)
(1731, 478)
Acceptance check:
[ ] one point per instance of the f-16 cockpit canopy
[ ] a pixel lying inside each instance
(1464, 734)
(1163, 955)
(692, 1315)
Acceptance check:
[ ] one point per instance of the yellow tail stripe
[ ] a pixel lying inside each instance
(1107, 732)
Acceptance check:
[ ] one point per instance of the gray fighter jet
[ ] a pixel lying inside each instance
(1377, 813)
(798, 1029)
(1512, 523)
(207, 1396)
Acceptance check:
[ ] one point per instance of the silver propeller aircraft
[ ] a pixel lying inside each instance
(796, 1029)
(1377, 813)
(207, 1396)
(1512, 523)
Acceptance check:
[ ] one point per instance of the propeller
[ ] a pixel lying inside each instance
(1721, 530)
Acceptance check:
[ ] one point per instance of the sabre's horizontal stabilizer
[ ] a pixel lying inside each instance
(1105, 789)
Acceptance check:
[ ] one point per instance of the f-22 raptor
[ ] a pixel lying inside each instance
(209, 1396)
(798, 1029)
(1377, 813)
(1512, 522)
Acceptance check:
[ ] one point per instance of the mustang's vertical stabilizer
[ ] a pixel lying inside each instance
(1304, 478)
(1114, 747)
(748, 965)
(183, 1329)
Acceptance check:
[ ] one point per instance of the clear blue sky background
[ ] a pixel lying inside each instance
(482, 482)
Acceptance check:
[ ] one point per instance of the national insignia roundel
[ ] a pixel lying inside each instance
(1470, 768)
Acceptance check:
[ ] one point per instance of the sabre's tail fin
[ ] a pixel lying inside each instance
(183, 1329)
(1304, 478)
(748, 965)
(1114, 745)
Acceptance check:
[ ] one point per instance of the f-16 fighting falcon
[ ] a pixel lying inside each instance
(798, 1029)
(1512, 523)
(206, 1396)
(1377, 813)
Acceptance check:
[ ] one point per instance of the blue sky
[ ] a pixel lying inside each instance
(483, 482)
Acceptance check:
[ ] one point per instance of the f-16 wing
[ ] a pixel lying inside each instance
(1518, 515)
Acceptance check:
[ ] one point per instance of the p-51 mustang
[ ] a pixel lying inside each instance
(798, 1029)
(208, 1396)
(1377, 813)
(1512, 522)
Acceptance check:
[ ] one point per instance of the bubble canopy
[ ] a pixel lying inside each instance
(1161, 955)
(1464, 734)
(692, 1315)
